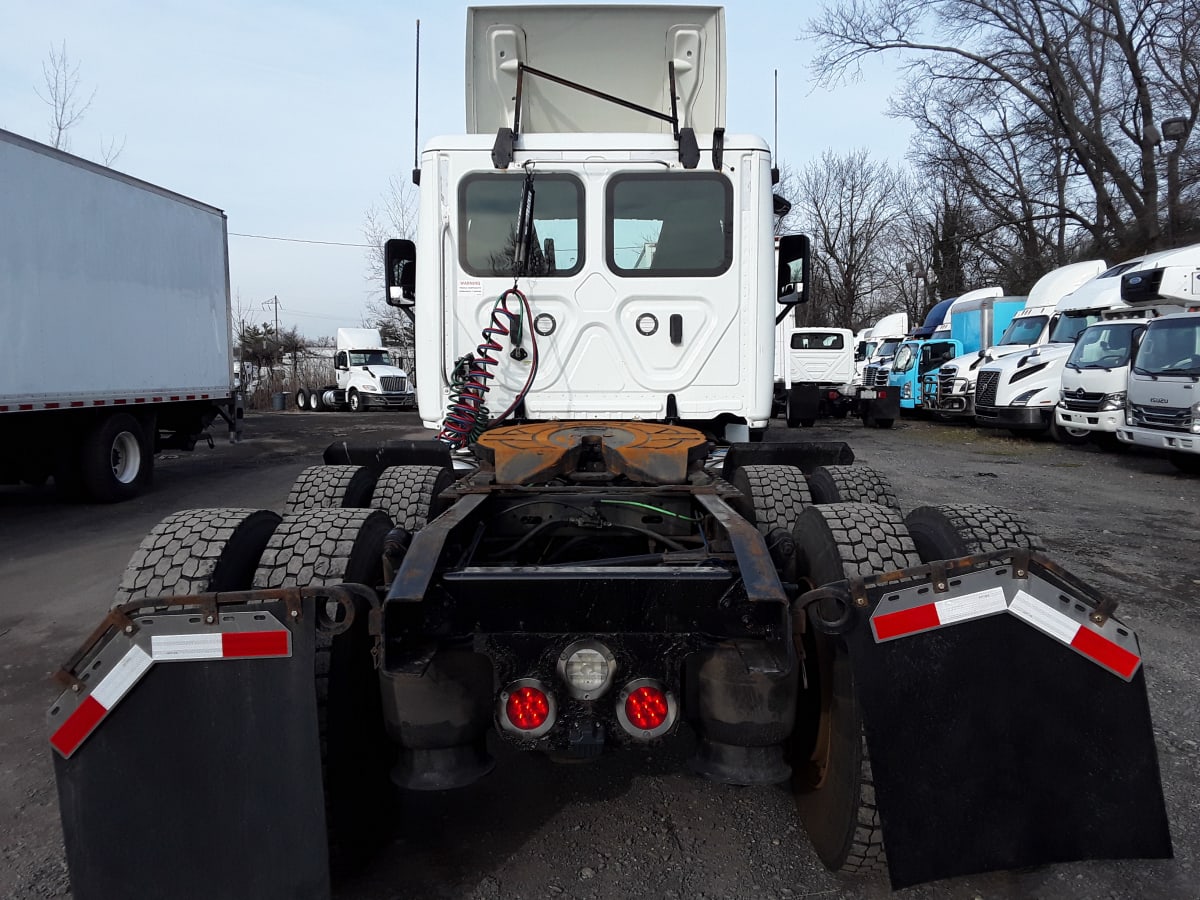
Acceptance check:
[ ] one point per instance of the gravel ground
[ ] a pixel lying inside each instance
(632, 824)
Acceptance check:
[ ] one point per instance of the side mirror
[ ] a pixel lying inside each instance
(793, 248)
(400, 272)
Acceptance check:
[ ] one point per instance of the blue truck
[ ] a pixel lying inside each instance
(976, 320)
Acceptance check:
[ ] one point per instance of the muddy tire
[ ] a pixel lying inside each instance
(331, 546)
(197, 551)
(832, 780)
(948, 532)
(409, 494)
(851, 484)
(331, 487)
(777, 493)
(1071, 436)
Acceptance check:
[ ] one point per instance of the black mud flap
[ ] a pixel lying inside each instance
(885, 404)
(188, 763)
(1006, 719)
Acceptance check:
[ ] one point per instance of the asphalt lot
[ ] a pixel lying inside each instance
(633, 824)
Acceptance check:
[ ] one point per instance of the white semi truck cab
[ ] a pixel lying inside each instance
(815, 374)
(365, 377)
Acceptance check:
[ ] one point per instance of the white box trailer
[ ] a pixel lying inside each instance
(114, 306)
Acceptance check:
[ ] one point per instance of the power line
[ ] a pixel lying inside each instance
(269, 237)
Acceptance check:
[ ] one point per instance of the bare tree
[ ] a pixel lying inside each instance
(63, 95)
(849, 204)
(1089, 74)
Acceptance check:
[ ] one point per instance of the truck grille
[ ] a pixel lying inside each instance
(1079, 401)
(985, 388)
(868, 379)
(946, 376)
(881, 377)
(1166, 418)
(393, 384)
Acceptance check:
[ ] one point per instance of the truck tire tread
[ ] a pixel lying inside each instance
(325, 487)
(196, 551)
(778, 494)
(954, 530)
(408, 493)
(851, 484)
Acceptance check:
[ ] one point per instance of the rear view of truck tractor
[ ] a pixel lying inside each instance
(593, 556)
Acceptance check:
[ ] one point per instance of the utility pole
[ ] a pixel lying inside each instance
(266, 304)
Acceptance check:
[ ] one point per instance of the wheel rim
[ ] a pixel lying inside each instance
(354, 402)
(313, 400)
(126, 457)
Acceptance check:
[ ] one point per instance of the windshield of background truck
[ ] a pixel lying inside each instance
(905, 357)
(370, 358)
(1102, 347)
(1068, 326)
(886, 349)
(1170, 348)
(1024, 330)
(669, 224)
(488, 209)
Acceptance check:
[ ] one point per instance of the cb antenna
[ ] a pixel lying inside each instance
(775, 147)
(416, 173)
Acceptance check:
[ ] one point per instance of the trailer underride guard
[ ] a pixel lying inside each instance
(610, 562)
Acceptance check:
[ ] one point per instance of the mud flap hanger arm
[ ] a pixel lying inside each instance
(689, 150)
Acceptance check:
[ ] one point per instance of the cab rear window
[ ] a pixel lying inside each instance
(488, 209)
(669, 224)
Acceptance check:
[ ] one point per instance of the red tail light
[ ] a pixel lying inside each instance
(646, 708)
(526, 708)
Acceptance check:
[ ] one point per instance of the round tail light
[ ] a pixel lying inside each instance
(646, 709)
(526, 708)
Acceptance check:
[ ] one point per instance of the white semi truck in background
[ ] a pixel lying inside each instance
(953, 394)
(364, 376)
(1092, 397)
(114, 298)
(1020, 391)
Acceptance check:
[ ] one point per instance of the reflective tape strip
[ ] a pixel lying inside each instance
(136, 662)
(941, 612)
(1075, 635)
(223, 645)
(104, 696)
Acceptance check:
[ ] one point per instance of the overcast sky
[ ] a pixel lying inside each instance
(291, 116)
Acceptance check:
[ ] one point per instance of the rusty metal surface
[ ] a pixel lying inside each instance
(641, 451)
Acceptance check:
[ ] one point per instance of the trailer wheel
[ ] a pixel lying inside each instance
(408, 494)
(117, 458)
(332, 546)
(851, 484)
(196, 551)
(832, 780)
(778, 494)
(301, 398)
(348, 487)
(948, 532)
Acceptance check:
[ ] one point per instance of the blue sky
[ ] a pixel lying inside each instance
(292, 116)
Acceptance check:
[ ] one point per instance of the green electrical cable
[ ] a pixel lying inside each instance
(657, 509)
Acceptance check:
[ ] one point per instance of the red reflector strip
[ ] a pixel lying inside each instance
(1105, 652)
(104, 696)
(255, 643)
(78, 726)
(941, 612)
(1066, 630)
(909, 621)
(217, 645)
(52, 406)
(25, 406)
